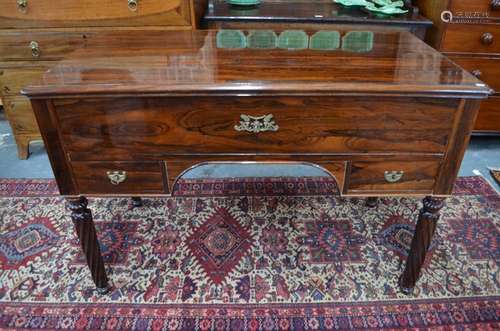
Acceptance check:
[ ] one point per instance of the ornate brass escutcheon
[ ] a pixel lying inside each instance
(117, 177)
(132, 5)
(22, 5)
(393, 176)
(256, 124)
(35, 49)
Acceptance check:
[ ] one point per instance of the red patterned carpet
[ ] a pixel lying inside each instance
(256, 254)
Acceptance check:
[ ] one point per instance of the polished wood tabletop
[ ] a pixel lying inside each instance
(177, 63)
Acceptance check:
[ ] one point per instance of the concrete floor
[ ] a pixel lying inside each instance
(482, 153)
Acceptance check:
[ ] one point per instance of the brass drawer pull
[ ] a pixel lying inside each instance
(22, 5)
(477, 73)
(495, 4)
(116, 177)
(487, 38)
(35, 49)
(132, 5)
(393, 176)
(256, 124)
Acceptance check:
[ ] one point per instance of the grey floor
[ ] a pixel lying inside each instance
(483, 152)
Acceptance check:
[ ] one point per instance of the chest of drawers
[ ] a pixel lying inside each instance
(469, 33)
(35, 34)
(392, 117)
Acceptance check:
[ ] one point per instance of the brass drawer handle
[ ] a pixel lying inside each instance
(495, 4)
(35, 49)
(477, 73)
(393, 176)
(256, 124)
(22, 5)
(116, 177)
(132, 5)
(487, 38)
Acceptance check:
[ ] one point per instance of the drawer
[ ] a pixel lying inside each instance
(476, 7)
(119, 177)
(486, 69)
(472, 38)
(88, 13)
(14, 79)
(38, 45)
(121, 127)
(488, 119)
(20, 115)
(392, 176)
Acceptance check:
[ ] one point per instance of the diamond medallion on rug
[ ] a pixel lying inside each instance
(219, 244)
(23, 244)
(333, 241)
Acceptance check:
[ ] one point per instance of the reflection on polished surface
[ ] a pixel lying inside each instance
(181, 62)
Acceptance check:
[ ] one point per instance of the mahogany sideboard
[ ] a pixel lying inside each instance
(35, 34)
(384, 115)
(469, 33)
(311, 15)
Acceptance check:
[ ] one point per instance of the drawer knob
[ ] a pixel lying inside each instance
(487, 38)
(256, 124)
(22, 5)
(495, 4)
(35, 49)
(477, 73)
(132, 5)
(116, 177)
(393, 176)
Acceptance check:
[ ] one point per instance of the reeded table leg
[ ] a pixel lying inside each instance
(136, 202)
(85, 229)
(424, 231)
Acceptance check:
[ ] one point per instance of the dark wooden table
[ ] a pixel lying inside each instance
(126, 116)
(314, 15)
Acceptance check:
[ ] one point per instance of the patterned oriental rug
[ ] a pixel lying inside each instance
(248, 254)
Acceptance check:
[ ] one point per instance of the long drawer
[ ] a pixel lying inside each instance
(476, 7)
(472, 38)
(486, 69)
(74, 13)
(124, 128)
(392, 176)
(39, 45)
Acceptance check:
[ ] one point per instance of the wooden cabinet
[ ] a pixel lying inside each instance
(35, 34)
(308, 15)
(471, 37)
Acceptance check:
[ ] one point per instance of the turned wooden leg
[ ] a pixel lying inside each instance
(424, 231)
(371, 202)
(136, 202)
(85, 230)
